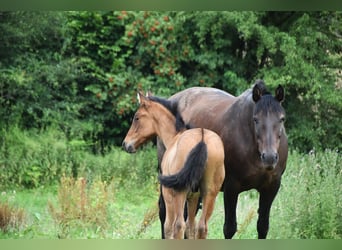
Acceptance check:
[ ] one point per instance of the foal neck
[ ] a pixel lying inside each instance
(165, 125)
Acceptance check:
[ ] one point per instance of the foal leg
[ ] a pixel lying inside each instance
(179, 224)
(168, 198)
(192, 205)
(265, 202)
(174, 226)
(207, 210)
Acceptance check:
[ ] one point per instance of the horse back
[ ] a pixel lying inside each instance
(203, 106)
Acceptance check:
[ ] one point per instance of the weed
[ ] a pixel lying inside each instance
(150, 216)
(247, 221)
(81, 204)
(11, 218)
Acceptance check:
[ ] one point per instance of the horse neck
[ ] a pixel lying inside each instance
(243, 109)
(165, 126)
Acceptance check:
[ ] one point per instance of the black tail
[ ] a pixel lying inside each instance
(191, 173)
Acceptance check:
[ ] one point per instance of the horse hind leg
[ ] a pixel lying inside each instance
(174, 226)
(207, 210)
(179, 224)
(192, 205)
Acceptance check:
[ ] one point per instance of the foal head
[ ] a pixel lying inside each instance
(149, 117)
(268, 119)
(142, 128)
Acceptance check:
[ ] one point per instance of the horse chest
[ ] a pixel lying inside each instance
(258, 178)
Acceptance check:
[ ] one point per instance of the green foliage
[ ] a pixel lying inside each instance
(31, 160)
(80, 71)
(310, 197)
(36, 159)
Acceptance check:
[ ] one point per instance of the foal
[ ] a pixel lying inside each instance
(192, 165)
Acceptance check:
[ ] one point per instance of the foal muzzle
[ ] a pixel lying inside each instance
(128, 147)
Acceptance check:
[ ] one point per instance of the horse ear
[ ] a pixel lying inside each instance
(280, 94)
(257, 93)
(149, 93)
(141, 98)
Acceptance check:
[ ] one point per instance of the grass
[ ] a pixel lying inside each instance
(115, 196)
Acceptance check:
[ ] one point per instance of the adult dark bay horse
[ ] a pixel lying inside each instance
(252, 129)
(192, 165)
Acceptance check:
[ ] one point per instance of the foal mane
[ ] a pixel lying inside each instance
(173, 108)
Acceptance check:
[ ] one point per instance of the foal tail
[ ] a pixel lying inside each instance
(191, 173)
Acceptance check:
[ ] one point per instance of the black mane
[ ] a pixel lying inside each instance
(173, 108)
(268, 103)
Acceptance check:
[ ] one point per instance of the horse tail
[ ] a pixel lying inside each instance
(191, 173)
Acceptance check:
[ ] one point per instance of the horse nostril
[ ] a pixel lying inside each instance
(263, 156)
(276, 156)
(269, 159)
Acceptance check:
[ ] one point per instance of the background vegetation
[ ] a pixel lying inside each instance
(79, 71)
(68, 83)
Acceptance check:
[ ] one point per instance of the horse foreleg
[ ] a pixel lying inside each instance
(230, 202)
(265, 202)
(192, 205)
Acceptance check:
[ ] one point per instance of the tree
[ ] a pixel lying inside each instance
(80, 71)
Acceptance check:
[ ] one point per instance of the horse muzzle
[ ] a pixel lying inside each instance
(269, 160)
(128, 147)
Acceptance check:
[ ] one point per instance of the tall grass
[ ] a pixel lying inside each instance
(309, 204)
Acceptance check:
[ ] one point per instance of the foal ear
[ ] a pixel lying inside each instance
(149, 93)
(143, 100)
(257, 93)
(280, 94)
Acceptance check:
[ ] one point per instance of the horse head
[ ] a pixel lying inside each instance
(268, 120)
(141, 129)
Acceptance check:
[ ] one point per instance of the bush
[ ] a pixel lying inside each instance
(80, 70)
(31, 159)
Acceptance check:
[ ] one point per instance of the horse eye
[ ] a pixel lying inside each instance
(135, 118)
(256, 120)
(282, 119)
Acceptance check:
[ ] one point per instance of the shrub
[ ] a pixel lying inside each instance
(30, 159)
